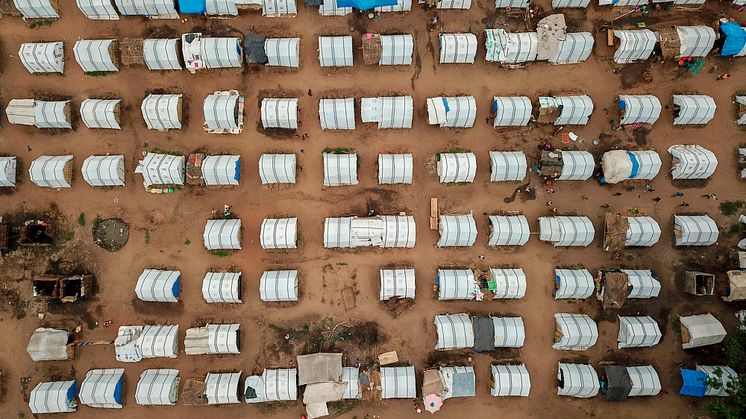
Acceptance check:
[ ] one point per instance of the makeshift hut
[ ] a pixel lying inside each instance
(699, 283)
(638, 332)
(458, 48)
(565, 110)
(158, 286)
(701, 330)
(623, 382)
(566, 164)
(98, 9)
(454, 332)
(161, 54)
(566, 230)
(279, 233)
(736, 289)
(43, 57)
(53, 397)
(574, 332)
(695, 230)
(278, 8)
(387, 49)
(398, 383)
(507, 283)
(507, 166)
(222, 234)
(102, 388)
(319, 368)
(222, 388)
(52, 171)
(511, 111)
(335, 51)
(153, 9)
(161, 170)
(577, 380)
(213, 339)
(719, 381)
(510, 49)
(620, 165)
(457, 167)
(157, 387)
(222, 287)
(622, 231)
(615, 286)
(510, 381)
(104, 170)
(693, 109)
(449, 382)
(96, 55)
(395, 169)
(457, 230)
(221, 170)
(573, 284)
(37, 9)
(686, 41)
(280, 113)
(134, 343)
(639, 109)
(633, 45)
(38, 113)
(389, 112)
(397, 283)
(162, 112)
(693, 383)
(692, 162)
(276, 286)
(101, 113)
(337, 113)
(224, 112)
(457, 284)
(8, 172)
(282, 52)
(272, 386)
(340, 169)
(49, 345)
(508, 230)
(388, 231)
(277, 168)
(452, 112)
(205, 53)
(573, 49)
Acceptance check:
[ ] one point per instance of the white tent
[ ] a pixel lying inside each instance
(394, 169)
(507, 166)
(457, 284)
(578, 4)
(98, 9)
(222, 7)
(389, 112)
(161, 169)
(273, 385)
(48, 345)
(337, 113)
(37, 9)
(741, 100)
(457, 167)
(510, 283)
(222, 287)
(398, 383)
(638, 332)
(158, 286)
(135, 343)
(692, 162)
(41, 114)
(212, 339)
(723, 375)
(396, 49)
(401, 6)
(50, 171)
(639, 109)
(223, 112)
(695, 41)
(157, 387)
(458, 48)
(452, 112)
(391, 231)
(511, 48)
(95, 55)
(100, 113)
(279, 233)
(454, 332)
(642, 231)
(566, 230)
(573, 284)
(43, 57)
(504, 4)
(53, 397)
(511, 111)
(221, 170)
(104, 170)
(397, 283)
(701, 330)
(576, 165)
(623, 3)
(577, 380)
(161, 54)
(102, 388)
(222, 388)
(330, 8)
(509, 332)
(350, 376)
(280, 113)
(210, 52)
(340, 169)
(634, 45)
(574, 49)
(621, 165)
(282, 52)
(693, 109)
(155, 9)
(454, 4)
(644, 380)
(277, 168)
(222, 234)
(574, 332)
(572, 110)
(457, 231)
(510, 381)
(8, 172)
(642, 283)
(278, 286)
(162, 112)
(335, 51)
(508, 230)
(695, 230)
(277, 8)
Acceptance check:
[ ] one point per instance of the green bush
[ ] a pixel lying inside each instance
(731, 207)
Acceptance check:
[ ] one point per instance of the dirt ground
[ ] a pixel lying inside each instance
(173, 236)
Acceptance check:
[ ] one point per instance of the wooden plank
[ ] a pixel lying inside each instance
(610, 37)
(434, 207)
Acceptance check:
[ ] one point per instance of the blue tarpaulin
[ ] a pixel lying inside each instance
(237, 174)
(735, 39)
(693, 383)
(365, 4)
(176, 287)
(196, 7)
(118, 391)
(635, 165)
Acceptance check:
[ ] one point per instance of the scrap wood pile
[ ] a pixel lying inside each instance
(615, 232)
(371, 48)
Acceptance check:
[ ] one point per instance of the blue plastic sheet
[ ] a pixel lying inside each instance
(693, 383)
(237, 174)
(365, 4)
(118, 391)
(176, 287)
(735, 39)
(635, 165)
(196, 7)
